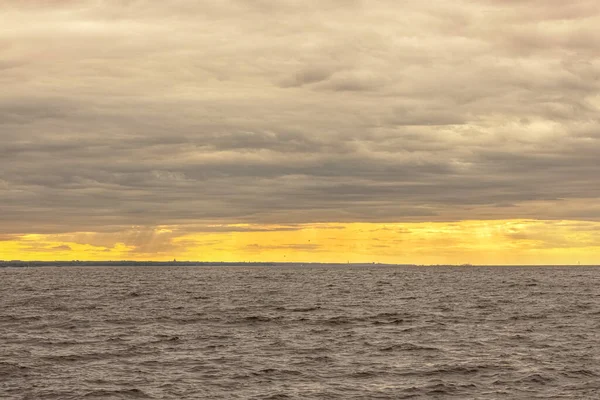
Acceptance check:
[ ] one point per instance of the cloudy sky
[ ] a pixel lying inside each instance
(333, 130)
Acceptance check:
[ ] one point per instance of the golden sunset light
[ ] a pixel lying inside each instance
(473, 242)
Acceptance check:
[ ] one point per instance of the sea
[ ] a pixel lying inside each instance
(291, 332)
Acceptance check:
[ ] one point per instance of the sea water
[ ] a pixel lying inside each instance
(299, 332)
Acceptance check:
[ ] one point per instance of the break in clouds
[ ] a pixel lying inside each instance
(119, 113)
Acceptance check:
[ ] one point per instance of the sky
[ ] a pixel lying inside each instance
(299, 130)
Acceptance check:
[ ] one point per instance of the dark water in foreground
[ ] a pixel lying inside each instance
(299, 333)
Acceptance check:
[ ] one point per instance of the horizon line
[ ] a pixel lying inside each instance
(4, 263)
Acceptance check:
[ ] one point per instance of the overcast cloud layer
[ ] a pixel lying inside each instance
(121, 112)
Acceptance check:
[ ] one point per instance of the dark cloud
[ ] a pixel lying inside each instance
(63, 247)
(167, 113)
(7, 237)
(308, 75)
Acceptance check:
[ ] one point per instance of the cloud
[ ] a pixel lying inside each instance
(6, 238)
(117, 114)
(63, 247)
(255, 247)
(307, 75)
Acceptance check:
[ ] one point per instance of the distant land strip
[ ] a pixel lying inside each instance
(125, 263)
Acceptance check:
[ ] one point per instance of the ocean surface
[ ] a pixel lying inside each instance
(300, 333)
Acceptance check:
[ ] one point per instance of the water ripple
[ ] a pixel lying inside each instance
(299, 333)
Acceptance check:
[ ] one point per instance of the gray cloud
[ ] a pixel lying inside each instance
(144, 113)
(62, 248)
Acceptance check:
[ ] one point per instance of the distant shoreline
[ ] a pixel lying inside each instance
(125, 263)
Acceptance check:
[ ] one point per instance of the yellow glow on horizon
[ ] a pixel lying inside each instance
(474, 242)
